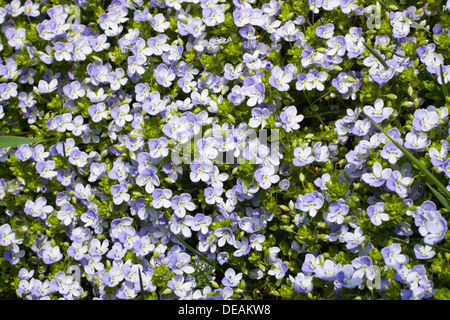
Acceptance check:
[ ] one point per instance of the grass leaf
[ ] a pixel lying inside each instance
(376, 54)
(141, 285)
(413, 159)
(14, 141)
(193, 250)
(416, 25)
(444, 85)
(441, 198)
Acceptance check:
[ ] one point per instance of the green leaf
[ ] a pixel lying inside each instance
(413, 159)
(416, 25)
(14, 141)
(376, 54)
(193, 250)
(444, 85)
(439, 196)
(141, 285)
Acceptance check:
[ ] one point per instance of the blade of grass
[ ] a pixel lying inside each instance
(439, 196)
(376, 54)
(444, 85)
(14, 141)
(141, 285)
(193, 250)
(413, 159)
(416, 25)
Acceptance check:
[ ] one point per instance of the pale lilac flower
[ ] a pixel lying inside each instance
(326, 31)
(231, 279)
(392, 256)
(279, 79)
(337, 212)
(181, 203)
(376, 213)
(265, 176)
(378, 176)
(289, 118)
(310, 202)
(423, 252)
(354, 239)
(378, 113)
(424, 120)
(302, 283)
(161, 198)
(120, 193)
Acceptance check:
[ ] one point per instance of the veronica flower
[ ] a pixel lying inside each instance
(148, 177)
(158, 147)
(303, 156)
(423, 252)
(392, 256)
(279, 79)
(391, 152)
(256, 93)
(378, 176)
(45, 169)
(13, 254)
(120, 193)
(376, 213)
(354, 239)
(51, 254)
(7, 235)
(143, 246)
(399, 183)
(231, 72)
(302, 283)
(437, 158)
(337, 212)
(47, 87)
(213, 15)
(416, 141)
(363, 267)
(164, 75)
(436, 229)
(243, 247)
(290, 119)
(161, 198)
(213, 195)
(231, 279)
(279, 270)
(378, 113)
(77, 250)
(326, 31)
(83, 192)
(66, 214)
(310, 202)
(201, 223)
(181, 203)
(265, 176)
(328, 271)
(23, 152)
(224, 235)
(315, 79)
(159, 23)
(89, 218)
(78, 158)
(425, 120)
(200, 171)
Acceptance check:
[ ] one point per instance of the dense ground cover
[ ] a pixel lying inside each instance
(213, 149)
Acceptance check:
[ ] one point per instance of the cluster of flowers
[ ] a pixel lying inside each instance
(155, 176)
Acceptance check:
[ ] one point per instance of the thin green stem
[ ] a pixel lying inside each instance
(376, 54)
(201, 256)
(413, 159)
